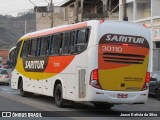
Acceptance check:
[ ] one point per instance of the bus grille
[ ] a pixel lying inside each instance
(123, 58)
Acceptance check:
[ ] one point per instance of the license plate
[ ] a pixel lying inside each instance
(122, 95)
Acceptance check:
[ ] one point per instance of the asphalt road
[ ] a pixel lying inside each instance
(10, 100)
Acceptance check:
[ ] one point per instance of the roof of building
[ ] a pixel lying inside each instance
(65, 2)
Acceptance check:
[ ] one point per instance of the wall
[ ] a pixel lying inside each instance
(4, 55)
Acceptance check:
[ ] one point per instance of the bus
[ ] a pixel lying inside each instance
(98, 61)
(11, 57)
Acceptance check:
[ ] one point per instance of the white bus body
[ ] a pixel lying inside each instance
(111, 57)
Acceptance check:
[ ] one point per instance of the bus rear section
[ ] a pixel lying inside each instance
(122, 64)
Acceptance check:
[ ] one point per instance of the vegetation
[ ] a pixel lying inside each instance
(12, 28)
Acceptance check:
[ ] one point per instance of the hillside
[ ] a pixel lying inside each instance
(12, 28)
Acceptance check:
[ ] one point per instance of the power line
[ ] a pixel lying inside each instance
(47, 1)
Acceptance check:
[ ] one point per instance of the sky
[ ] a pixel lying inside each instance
(12, 7)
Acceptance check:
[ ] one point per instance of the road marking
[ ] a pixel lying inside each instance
(24, 102)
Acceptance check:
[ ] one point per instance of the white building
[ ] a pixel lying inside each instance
(146, 12)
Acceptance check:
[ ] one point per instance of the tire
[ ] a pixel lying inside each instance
(22, 92)
(101, 106)
(157, 94)
(58, 96)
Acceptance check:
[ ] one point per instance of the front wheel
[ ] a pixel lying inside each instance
(22, 92)
(58, 96)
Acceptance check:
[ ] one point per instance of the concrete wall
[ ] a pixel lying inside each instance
(156, 8)
(43, 19)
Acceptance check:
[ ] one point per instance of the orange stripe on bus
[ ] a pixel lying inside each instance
(56, 64)
(51, 31)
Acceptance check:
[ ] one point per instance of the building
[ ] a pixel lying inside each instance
(146, 12)
(82, 10)
(4, 55)
(73, 11)
(43, 17)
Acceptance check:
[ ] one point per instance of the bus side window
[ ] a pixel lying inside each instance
(29, 48)
(33, 47)
(86, 36)
(66, 43)
(48, 45)
(60, 44)
(24, 52)
(44, 46)
(38, 46)
(55, 44)
(82, 37)
(17, 50)
(72, 42)
(51, 45)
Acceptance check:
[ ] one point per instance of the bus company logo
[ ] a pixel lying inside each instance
(122, 38)
(118, 38)
(35, 65)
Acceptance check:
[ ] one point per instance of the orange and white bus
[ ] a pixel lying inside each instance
(102, 62)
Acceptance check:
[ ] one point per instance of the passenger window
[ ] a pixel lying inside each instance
(44, 46)
(60, 44)
(17, 50)
(33, 47)
(55, 44)
(81, 40)
(66, 43)
(25, 49)
(38, 46)
(72, 41)
(29, 47)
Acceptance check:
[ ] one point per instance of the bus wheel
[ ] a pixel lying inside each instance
(22, 92)
(58, 95)
(157, 94)
(103, 106)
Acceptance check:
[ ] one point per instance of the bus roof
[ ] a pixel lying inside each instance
(53, 30)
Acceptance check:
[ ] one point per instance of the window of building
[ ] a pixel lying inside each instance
(157, 44)
(143, 9)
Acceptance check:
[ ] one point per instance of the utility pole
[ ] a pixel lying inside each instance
(51, 13)
(76, 11)
(125, 18)
(25, 26)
